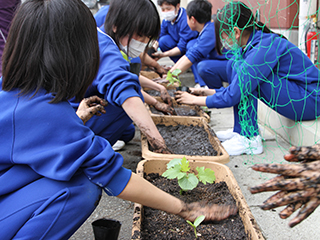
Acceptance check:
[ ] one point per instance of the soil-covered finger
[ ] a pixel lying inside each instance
(302, 153)
(281, 199)
(284, 169)
(290, 209)
(305, 211)
(284, 183)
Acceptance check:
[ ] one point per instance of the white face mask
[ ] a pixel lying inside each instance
(169, 16)
(136, 48)
(229, 44)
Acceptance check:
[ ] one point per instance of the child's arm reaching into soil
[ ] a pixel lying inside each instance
(141, 191)
(299, 184)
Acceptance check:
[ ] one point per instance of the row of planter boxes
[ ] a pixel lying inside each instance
(157, 163)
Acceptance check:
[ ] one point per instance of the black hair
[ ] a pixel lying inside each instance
(200, 10)
(170, 2)
(128, 17)
(236, 14)
(51, 45)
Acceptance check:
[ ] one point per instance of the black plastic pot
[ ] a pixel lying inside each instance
(183, 89)
(106, 229)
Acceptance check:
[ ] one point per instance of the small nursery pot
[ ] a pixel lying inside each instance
(150, 51)
(106, 229)
(183, 89)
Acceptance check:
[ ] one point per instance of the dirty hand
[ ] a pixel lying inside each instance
(165, 96)
(298, 184)
(213, 212)
(159, 146)
(184, 97)
(91, 106)
(163, 107)
(161, 70)
(158, 55)
(202, 92)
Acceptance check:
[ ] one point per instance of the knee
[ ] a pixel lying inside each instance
(202, 68)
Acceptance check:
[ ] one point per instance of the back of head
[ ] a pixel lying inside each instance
(169, 2)
(52, 45)
(128, 17)
(200, 10)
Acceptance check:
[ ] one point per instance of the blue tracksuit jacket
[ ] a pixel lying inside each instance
(275, 71)
(179, 32)
(115, 84)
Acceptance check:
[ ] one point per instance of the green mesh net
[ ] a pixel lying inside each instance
(281, 17)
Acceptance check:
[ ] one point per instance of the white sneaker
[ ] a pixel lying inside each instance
(226, 135)
(118, 145)
(197, 85)
(239, 145)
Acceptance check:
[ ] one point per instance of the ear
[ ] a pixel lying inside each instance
(114, 29)
(237, 33)
(178, 6)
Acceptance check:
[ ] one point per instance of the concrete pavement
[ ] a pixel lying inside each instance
(272, 226)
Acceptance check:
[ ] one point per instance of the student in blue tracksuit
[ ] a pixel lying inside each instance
(203, 47)
(175, 31)
(124, 30)
(265, 66)
(53, 167)
(135, 62)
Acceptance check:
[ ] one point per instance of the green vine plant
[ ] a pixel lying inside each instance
(180, 169)
(196, 223)
(173, 77)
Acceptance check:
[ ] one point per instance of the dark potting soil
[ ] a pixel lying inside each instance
(187, 140)
(160, 225)
(157, 93)
(180, 111)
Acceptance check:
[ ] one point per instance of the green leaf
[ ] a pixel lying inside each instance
(173, 162)
(176, 72)
(184, 165)
(206, 175)
(188, 182)
(190, 223)
(174, 172)
(199, 220)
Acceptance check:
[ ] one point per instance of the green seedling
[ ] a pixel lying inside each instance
(180, 169)
(196, 223)
(173, 77)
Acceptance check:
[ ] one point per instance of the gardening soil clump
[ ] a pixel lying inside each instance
(156, 93)
(187, 140)
(180, 111)
(160, 225)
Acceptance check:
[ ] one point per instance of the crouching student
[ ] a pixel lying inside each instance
(265, 66)
(203, 47)
(53, 167)
(175, 31)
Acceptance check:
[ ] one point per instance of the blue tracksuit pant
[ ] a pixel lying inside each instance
(48, 209)
(213, 72)
(166, 43)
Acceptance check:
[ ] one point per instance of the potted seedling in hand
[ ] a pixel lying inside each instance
(173, 77)
(196, 223)
(180, 169)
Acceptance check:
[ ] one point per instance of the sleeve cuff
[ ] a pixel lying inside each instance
(118, 182)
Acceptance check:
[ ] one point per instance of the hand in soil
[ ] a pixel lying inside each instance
(165, 96)
(159, 146)
(163, 107)
(212, 212)
(298, 184)
(91, 106)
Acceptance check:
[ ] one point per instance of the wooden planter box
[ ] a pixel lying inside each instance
(197, 109)
(221, 157)
(222, 173)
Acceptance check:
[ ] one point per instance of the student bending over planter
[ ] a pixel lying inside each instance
(53, 167)
(128, 27)
(265, 66)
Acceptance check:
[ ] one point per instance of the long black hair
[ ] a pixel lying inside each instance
(128, 17)
(51, 45)
(236, 14)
